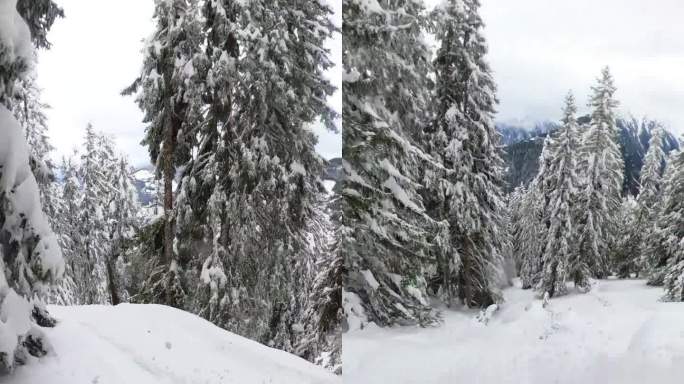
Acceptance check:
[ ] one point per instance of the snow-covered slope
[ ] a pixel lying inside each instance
(618, 333)
(150, 344)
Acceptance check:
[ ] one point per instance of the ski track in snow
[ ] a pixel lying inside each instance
(618, 333)
(153, 344)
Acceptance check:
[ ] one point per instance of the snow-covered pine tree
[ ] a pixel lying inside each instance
(68, 230)
(123, 221)
(516, 230)
(465, 93)
(170, 100)
(39, 16)
(93, 175)
(29, 110)
(560, 188)
(531, 226)
(273, 185)
(656, 252)
(625, 255)
(201, 220)
(671, 224)
(322, 342)
(601, 195)
(30, 258)
(386, 236)
(649, 198)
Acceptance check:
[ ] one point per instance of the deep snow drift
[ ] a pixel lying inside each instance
(618, 333)
(150, 344)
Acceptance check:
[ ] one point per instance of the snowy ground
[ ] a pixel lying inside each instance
(618, 333)
(150, 344)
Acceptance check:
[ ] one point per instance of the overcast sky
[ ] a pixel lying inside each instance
(539, 49)
(96, 53)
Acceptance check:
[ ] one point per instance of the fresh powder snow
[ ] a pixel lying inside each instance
(154, 344)
(618, 333)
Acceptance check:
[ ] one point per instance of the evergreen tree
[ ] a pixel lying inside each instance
(671, 225)
(70, 290)
(560, 187)
(386, 234)
(657, 250)
(272, 186)
(122, 218)
(650, 195)
(30, 258)
(169, 99)
(629, 243)
(322, 341)
(30, 113)
(465, 92)
(531, 226)
(604, 167)
(93, 177)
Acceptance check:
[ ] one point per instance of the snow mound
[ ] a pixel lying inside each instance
(618, 333)
(156, 344)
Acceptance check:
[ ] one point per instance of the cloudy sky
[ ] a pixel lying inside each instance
(96, 53)
(539, 49)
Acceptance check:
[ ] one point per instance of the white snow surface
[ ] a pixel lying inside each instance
(154, 344)
(618, 333)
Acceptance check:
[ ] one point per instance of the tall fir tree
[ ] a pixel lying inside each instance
(171, 102)
(272, 184)
(386, 235)
(93, 177)
(531, 226)
(560, 188)
(649, 199)
(30, 258)
(123, 221)
(601, 196)
(657, 249)
(465, 92)
(671, 225)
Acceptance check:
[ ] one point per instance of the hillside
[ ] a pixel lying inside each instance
(154, 344)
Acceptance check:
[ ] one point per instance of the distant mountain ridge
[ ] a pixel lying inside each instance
(522, 148)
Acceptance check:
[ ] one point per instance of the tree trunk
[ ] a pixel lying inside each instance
(113, 291)
(168, 175)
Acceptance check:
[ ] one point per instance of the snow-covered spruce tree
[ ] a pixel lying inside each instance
(167, 97)
(272, 184)
(122, 211)
(30, 113)
(604, 171)
(560, 188)
(656, 253)
(516, 230)
(67, 227)
(465, 97)
(93, 174)
(30, 258)
(386, 236)
(649, 199)
(629, 243)
(671, 224)
(322, 341)
(531, 226)
(39, 16)
(201, 220)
